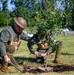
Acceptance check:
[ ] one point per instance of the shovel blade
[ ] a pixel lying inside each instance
(45, 69)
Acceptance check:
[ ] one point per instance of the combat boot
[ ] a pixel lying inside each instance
(58, 52)
(4, 67)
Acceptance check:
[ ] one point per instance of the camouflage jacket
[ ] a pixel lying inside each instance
(34, 41)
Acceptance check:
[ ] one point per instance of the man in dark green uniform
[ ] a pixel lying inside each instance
(10, 42)
(46, 46)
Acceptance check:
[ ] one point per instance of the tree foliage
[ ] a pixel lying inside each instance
(39, 14)
(2, 19)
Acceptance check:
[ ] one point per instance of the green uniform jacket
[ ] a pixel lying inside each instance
(6, 36)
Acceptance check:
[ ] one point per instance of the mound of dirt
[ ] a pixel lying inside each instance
(58, 68)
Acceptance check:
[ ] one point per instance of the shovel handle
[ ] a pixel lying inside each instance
(15, 67)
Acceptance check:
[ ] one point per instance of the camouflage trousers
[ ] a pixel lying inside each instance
(10, 50)
(57, 47)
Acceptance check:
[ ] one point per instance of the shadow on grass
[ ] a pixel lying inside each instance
(67, 54)
(63, 68)
(20, 60)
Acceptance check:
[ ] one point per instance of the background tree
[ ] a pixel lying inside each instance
(42, 13)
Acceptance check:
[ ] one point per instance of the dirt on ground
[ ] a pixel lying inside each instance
(58, 68)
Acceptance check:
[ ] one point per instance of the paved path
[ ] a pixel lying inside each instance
(70, 33)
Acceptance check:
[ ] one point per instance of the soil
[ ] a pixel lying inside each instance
(58, 68)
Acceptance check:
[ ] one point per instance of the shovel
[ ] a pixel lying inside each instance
(16, 67)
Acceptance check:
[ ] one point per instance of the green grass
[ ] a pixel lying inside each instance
(24, 57)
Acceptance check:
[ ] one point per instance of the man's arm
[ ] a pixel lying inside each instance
(4, 38)
(30, 46)
(24, 36)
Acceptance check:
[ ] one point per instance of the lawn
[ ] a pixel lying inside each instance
(25, 59)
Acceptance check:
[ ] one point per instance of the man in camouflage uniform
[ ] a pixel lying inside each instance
(10, 41)
(46, 46)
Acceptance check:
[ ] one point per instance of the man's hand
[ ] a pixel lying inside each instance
(43, 54)
(37, 54)
(7, 59)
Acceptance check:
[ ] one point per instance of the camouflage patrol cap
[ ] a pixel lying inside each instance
(20, 22)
